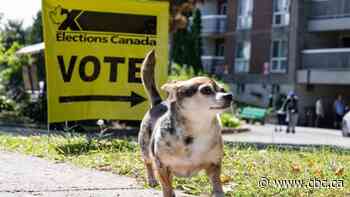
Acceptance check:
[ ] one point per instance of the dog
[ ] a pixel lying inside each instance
(181, 135)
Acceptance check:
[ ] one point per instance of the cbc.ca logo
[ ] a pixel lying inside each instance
(314, 183)
(263, 182)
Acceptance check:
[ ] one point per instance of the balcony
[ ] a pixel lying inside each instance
(329, 15)
(325, 66)
(214, 25)
(213, 64)
(327, 59)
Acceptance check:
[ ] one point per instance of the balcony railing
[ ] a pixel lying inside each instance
(329, 9)
(326, 59)
(213, 64)
(214, 24)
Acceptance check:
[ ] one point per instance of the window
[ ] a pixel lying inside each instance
(220, 48)
(281, 12)
(279, 62)
(240, 88)
(223, 9)
(345, 42)
(245, 9)
(242, 57)
(276, 88)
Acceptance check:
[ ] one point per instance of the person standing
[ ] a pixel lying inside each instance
(339, 111)
(281, 113)
(292, 112)
(319, 112)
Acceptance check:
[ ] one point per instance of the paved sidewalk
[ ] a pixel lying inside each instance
(26, 176)
(304, 136)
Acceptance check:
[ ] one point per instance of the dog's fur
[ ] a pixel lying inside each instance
(181, 135)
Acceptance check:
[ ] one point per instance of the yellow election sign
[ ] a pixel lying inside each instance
(94, 50)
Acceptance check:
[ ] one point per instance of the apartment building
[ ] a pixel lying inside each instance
(324, 66)
(276, 46)
(259, 48)
(214, 27)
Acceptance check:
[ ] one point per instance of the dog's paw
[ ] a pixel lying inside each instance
(152, 182)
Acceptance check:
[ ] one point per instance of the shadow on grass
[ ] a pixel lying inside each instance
(86, 147)
(288, 147)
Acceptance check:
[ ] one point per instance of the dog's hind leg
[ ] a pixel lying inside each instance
(145, 141)
(165, 179)
(214, 172)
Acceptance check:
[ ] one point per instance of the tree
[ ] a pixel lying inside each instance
(11, 74)
(180, 47)
(36, 36)
(36, 33)
(196, 42)
(13, 32)
(187, 48)
(178, 12)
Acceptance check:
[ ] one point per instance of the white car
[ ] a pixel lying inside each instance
(346, 125)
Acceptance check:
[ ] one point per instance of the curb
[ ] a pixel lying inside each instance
(228, 130)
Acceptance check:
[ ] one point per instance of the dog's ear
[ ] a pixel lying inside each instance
(171, 88)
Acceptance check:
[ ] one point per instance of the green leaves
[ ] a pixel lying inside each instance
(228, 120)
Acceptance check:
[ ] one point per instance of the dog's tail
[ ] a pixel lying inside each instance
(147, 76)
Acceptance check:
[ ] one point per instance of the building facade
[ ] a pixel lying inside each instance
(272, 47)
(214, 28)
(259, 49)
(324, 66)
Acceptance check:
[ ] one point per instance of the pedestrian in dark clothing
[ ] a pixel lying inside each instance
(339, 111)
(292, 112)
(319, 111)
(281, 114)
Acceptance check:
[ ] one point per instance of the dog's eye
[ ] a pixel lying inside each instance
(207, 91)
(222, 90)
(190, 91)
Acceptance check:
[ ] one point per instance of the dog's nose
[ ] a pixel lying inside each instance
(228, 96)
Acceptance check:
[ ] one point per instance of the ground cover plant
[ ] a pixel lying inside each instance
(244, 166)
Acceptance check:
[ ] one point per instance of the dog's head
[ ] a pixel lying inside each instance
(199, 95)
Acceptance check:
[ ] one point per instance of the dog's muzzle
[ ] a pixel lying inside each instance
(224, 98)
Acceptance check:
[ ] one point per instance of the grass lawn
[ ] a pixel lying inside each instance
(243, 165)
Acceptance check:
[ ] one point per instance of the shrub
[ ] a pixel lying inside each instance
(228, 120)
(6, 104)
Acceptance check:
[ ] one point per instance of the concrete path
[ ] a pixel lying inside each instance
(304, 136)
(25, 176)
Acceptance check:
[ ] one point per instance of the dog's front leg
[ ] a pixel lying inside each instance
(165, 179)
(152, 182)
(214, 172)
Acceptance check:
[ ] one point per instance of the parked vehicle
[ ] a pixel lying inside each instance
(346, 125)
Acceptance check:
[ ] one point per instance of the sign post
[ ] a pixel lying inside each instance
(94, 50)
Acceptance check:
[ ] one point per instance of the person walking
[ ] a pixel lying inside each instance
(292, 112)
(281, 113)
(339, 111)
(319, 110)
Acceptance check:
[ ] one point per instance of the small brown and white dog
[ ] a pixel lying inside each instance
(181, 135)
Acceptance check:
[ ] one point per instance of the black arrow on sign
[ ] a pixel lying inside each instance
(134, 99)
